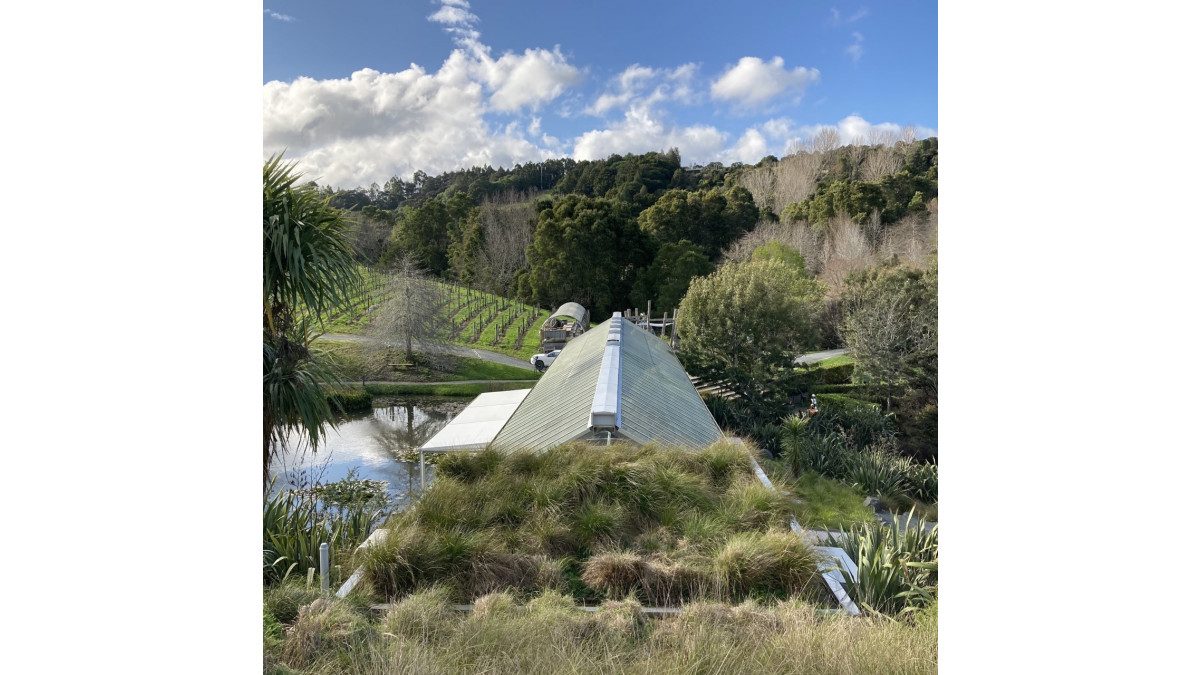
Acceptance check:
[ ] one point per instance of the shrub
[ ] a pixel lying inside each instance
(863, 423)
(924, 479)
(296, 524)
(348, 400)
(808, 450)
(837, 374)
(880, 473)
(897, 570)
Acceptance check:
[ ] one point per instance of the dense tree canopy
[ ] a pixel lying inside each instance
(585, 250)
(890, 326)
(666, 280)
(710, 219)
(746, 323)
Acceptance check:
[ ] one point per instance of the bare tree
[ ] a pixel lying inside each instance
(369, 236)
(825, 141)
(761, 183)
(846, 249)
(911, 240)
(795, 178)
(411, 311)
(884, 158)
(808, 241)
(857, 153)
(507, 231)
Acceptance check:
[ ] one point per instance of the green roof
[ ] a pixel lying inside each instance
(657, 400)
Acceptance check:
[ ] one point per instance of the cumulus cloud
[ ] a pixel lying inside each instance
(277, 16)
(476, 109)
(373, 125)
(643, 130)
(452, 15)
(646, 87)
(750, 148)
(753, 82)
(528, 79)
(855, 129)
(515, 80)
(855, 50)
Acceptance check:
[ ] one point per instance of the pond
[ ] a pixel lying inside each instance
(377, 445)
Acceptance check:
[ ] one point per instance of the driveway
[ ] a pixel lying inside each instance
(819, 356)
(434, 348)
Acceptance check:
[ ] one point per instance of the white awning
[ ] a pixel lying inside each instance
(478, 423)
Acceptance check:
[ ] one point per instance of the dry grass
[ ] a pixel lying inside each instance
(419, 635)
(660, 524)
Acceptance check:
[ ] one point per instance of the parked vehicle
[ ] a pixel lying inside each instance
(543, 361)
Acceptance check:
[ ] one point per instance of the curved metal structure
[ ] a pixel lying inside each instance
(565, 323)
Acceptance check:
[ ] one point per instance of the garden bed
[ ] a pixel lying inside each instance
(663, 526)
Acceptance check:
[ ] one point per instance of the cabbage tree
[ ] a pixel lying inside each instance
(308, 272)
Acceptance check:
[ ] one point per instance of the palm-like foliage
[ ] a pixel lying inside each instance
(307, 259)
(308, 266)
(897, 568)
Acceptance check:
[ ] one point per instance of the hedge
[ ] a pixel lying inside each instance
(348, 400)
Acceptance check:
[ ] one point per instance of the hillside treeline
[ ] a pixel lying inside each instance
(618, 232)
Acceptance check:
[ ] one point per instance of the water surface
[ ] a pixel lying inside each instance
(379, 445)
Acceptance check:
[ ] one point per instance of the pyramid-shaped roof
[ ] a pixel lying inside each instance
(614, 379)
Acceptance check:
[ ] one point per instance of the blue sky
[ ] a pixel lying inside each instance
(360, 91)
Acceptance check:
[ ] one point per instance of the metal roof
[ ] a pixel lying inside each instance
(643, 388)
(478, 423)
(571, 309)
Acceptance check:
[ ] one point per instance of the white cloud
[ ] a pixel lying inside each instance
(855, 50)
(477, 110)
(516, 81)
(524, 80)
(277, 16)
(454, 16)
(836, 16)
(753, 82)
(639, 85)
(373, 125)
(643, 131)
(749, 149)
(779, 128)
(854, 128)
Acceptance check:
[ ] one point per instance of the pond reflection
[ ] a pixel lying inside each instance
(378, 445)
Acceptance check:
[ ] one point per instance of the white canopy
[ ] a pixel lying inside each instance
(478, 423)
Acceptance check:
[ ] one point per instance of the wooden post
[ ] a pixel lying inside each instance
(422, 453)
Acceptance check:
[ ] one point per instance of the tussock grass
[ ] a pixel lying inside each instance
(662, 525)
(419, 635)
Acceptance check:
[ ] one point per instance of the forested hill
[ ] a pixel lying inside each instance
(615, 233)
